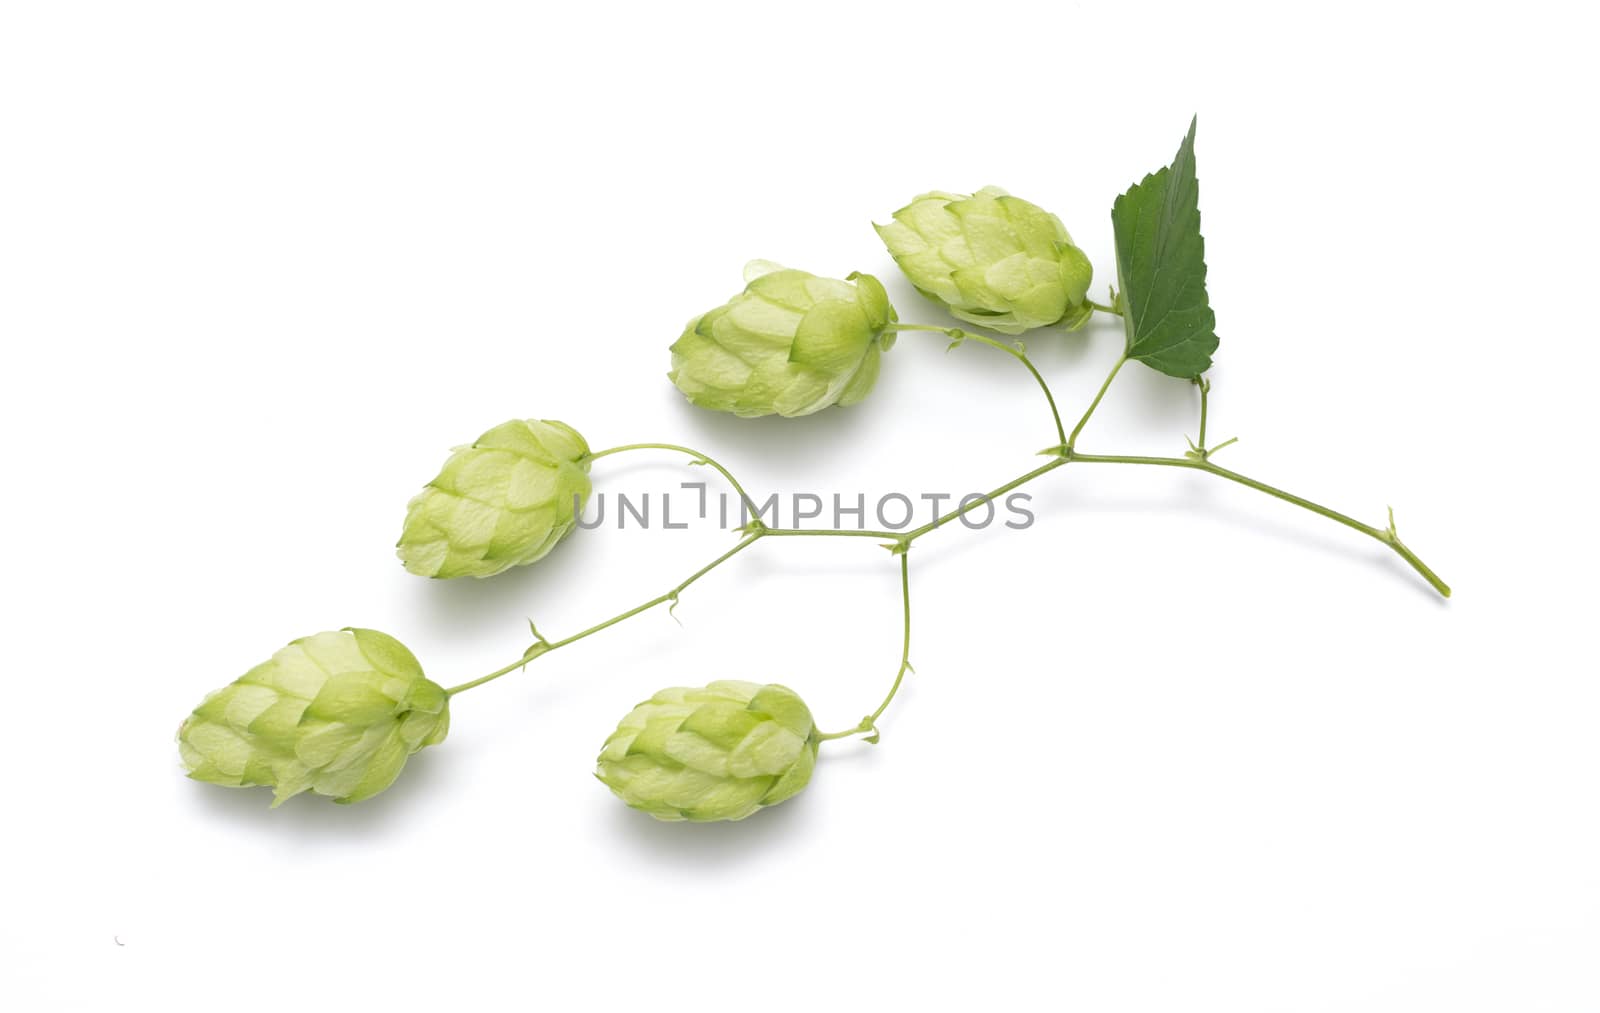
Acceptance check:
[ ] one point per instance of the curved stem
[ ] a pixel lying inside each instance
(845, 734)
(1068, 443)
(870, 722)
(1102, 308)
(905, 640)
(1022, 357)
(700, 458)
(1386, 536)
(901, 541)
(957, 335)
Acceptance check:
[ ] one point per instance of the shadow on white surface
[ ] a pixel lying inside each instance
(469, 607)
(307, 815)
(1161, 403)
(712, 845)
(708, 845)
(793, 441)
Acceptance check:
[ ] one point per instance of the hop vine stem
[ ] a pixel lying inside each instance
(957, 336)
(869, 724)
(699, 458)
(544, 647)
(1064, 453)
(1071, 441)
(1386, 536)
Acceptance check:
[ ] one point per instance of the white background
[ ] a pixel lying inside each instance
(1178, 746)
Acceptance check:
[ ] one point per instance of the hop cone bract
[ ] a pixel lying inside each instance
(991, 259)
(718, 753)
(336, 713)
(790, 344)
(502, 502)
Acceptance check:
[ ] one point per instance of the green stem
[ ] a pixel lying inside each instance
(905, 640)
(828, 736)
(492, 676)
(1102, 308)
(543, 647)
(1205, 388)
(1386, 536)
(700, 458)
(902, 540)
(1068, 443)
(870, 722)
(957, 335)
(1405, 553)
(988, 497)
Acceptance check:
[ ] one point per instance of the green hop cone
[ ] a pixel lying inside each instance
(718, 753)
(336, 713)
(991, 259)
(502, 502)
(790, 344)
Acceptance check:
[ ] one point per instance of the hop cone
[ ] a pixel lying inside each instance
(991, 259)
(502, 502)
(718, 753)
(337, 713)
(790, 344)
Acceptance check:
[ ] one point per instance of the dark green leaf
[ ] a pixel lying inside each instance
(1161, 267)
